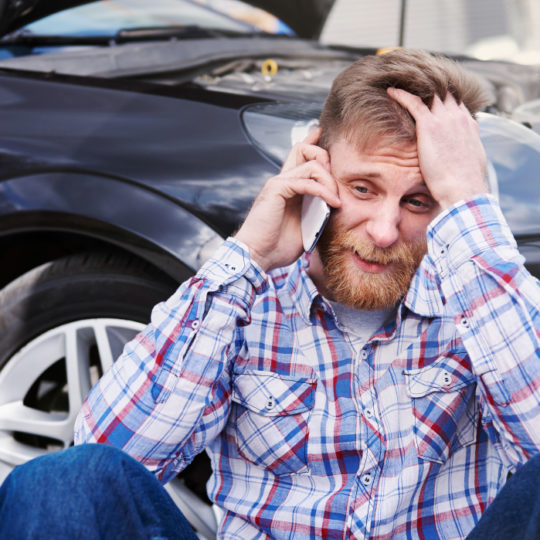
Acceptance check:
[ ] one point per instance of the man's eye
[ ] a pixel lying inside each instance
(361, 189)
(419, 204)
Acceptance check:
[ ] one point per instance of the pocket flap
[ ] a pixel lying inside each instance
(446, 374)
(271, 394)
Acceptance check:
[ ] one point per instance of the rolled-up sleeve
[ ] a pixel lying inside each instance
(168, 394)
(494, 302)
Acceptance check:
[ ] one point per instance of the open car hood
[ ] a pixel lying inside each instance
(17, 13)
(305, 17)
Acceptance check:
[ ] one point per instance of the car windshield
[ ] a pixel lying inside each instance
(108, 17)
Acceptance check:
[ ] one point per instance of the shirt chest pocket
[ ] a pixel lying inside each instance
(444, 406)
(269, 419)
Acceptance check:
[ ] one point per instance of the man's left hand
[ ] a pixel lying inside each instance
(452, 158)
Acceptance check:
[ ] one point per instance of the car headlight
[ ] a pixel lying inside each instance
(274, 127)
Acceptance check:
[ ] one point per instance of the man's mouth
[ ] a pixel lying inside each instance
(369, 266)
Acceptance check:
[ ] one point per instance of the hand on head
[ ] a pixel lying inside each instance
(452, 158)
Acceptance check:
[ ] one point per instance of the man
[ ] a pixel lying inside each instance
(382, 386)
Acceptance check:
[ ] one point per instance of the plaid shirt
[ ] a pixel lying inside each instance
(313, 433)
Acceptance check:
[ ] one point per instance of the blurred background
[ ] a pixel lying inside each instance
(487, 29)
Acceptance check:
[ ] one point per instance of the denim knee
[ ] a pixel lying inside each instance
(515, 511)
(83, 465)
(91, 492)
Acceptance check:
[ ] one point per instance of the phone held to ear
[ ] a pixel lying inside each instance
(315, 214)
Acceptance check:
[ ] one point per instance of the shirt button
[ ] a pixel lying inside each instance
(230, 267)
(464, 322)
(195, 324)
(270, 403)
(447, 378)
(366, 479)
(368, 413)
(364, 354)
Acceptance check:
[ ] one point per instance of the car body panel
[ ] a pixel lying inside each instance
(138, 220)
(166, 56)
(135, 138)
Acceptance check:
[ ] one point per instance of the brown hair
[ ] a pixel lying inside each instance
(359, 107)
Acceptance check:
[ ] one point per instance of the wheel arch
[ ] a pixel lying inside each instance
(49, 215)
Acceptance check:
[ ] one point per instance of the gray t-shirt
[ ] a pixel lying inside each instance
(360, 323)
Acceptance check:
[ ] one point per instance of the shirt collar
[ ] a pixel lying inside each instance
(423, 296)
(304, 294)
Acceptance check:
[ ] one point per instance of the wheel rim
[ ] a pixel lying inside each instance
(42, 388)
(43, 385)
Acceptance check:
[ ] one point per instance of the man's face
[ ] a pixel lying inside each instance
(374, 243)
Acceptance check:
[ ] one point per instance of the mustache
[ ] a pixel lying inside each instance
(402, 254)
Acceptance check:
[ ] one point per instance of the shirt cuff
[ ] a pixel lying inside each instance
(466, 230)
(232, 265)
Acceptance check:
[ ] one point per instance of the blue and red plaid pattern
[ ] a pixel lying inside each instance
(314, 433)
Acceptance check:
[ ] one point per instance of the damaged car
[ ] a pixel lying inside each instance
(133, 138)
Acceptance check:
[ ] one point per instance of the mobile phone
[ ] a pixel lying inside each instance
(315, 214)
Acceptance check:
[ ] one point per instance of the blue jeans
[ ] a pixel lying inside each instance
(97, 492)
(88, 492)
(515, 512)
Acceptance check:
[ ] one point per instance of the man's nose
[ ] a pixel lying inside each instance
(383, 226)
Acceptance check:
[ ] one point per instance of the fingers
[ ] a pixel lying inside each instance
(408, 101)
(313, 136)
(307, 150)
(418, 108)
(447, 114)
(309, 177)
(272, 228)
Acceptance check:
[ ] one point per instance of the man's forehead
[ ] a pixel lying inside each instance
(345, 151)
(367, 133)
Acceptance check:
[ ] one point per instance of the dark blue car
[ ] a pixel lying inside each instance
(133, 137)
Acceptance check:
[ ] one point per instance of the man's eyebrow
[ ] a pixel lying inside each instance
(358, 175)
(351, 176)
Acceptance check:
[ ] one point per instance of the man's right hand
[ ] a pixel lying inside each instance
(272, 230)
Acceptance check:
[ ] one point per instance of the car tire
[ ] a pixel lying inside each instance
(61, 325)
(74, 288)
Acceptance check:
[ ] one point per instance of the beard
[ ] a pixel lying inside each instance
(347, 284)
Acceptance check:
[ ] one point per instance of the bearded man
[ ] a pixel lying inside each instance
(383, 385)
